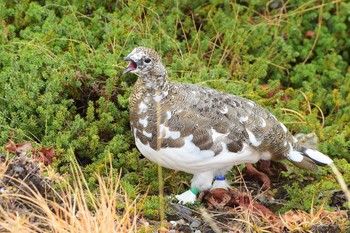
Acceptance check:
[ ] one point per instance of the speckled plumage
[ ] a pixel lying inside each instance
(200, 130)
(198, 111)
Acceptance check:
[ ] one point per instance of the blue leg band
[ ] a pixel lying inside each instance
(219, 178)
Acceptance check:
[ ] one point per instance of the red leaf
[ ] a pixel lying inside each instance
(19, 147)
(309, 34)
(273, 92)
(10, 146)
(45, 155)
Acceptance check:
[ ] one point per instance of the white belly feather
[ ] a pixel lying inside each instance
(189, 158)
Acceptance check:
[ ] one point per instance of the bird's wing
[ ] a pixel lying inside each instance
(213, 118)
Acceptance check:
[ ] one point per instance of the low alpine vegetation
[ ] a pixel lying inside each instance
(62, 90)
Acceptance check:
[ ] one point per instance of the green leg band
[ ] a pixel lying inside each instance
(194, 191)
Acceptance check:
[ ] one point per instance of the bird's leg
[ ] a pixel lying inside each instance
(251, 171)
(189, 196)
(265, 166)
(199, 182)
(220, 182)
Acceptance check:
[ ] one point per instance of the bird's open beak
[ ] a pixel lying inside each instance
(132, 65)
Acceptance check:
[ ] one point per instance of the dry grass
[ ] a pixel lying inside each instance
(74, 208)
(245, 220)
(77, 208)
(301, 221)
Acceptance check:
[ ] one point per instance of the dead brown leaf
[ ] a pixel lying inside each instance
(45, 155)
(18, 147)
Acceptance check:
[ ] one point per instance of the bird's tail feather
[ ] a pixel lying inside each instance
(316, 156)
(308, 159)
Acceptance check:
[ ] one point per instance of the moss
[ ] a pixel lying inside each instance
(313, 190)
(151, 208)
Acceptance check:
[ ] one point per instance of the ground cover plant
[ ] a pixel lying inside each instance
(61, 85)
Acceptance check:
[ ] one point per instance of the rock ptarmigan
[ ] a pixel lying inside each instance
(202, 131)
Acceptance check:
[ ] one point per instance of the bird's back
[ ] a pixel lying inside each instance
(164, 118)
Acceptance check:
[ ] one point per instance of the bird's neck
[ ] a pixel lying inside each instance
(154, 83)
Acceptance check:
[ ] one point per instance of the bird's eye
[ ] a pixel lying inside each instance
(148, 60)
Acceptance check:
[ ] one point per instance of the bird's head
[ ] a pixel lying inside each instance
(144, 62)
